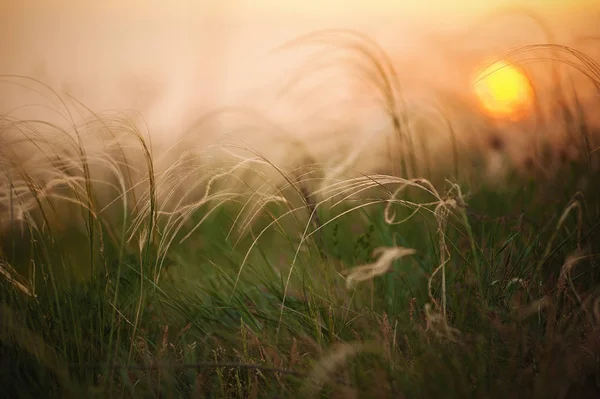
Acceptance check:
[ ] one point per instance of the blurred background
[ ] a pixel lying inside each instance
(174, 60)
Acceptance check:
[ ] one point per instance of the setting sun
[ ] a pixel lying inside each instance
(504, 91)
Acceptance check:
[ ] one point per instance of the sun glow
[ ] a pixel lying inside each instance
(504, 91)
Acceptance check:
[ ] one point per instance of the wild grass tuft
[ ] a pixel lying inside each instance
(216, 271)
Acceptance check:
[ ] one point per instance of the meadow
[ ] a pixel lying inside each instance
(216, 271)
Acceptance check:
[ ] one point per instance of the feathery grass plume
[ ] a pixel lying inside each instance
(386, 256)
(437, 323)
(328, 193)
(580, 61)
(247, 132)
(14, 279)
(328, 364)
(534, 308)
(374, 65)
(565, 274)
(443, 207)
(574, 204)
(442, 210)
(250, 173)
(297, 187)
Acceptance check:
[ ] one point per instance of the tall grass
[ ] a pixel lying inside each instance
(218, 272)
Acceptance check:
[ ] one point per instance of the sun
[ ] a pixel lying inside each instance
(504, 91)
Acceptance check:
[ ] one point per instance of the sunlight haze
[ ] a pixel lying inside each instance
(173, 61)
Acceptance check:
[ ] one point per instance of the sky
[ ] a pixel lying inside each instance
(172, 60)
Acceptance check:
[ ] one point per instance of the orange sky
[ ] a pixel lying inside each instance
(170, 58)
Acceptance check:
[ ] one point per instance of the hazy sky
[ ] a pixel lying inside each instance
(171, 58)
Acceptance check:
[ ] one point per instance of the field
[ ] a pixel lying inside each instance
(219, 272)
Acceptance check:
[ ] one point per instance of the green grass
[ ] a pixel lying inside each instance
(240, 278)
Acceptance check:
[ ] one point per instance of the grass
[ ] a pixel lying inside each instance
(222, 274)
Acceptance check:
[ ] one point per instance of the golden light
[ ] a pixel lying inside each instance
(504, 91)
